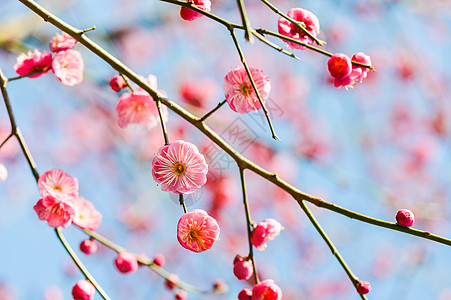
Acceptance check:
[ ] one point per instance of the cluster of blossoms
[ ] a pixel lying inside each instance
(67, 64)
(344, 72)
(60, 204)
(265, 290)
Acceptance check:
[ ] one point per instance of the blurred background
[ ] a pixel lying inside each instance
(374, 149)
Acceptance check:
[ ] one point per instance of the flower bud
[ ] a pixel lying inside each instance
(363, 287)
(405, 218)
(242, 268)
(126, 262)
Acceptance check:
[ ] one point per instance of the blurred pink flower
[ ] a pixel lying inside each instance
(159, 259)
(86, 216)
(83, 290)
(180, 168)
(265, 231)
(61, 42)
(197, 231)
(139, 108)
(181, 295)
(307, 19)
(171, 280)
(58, 183)
(266, 290)
(68, 67)
(239, 92)
(56, 211)
(3, 172)
(198, 92)
(33, 62)
(188, 14)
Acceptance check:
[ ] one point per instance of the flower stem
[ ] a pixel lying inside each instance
(28, 75)
(127, 83)
(182, 203)
(213, 110)
(4, 142)
(254, 86)
(163, 125)
(298, 24)
(249, 225)
(271, 44)
(245, 21)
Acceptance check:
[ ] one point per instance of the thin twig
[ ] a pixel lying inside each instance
(163, 124)
(254, 86)
(28, 75)
(182, 203)
(245, 21)
(127, 83)
(213, 110)
(330, 244)
(271, 44)
(297, 23)
(4, 142)
(248, 225)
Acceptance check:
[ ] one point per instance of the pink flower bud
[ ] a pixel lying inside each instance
(266, 290)
(171, 281)
(339, 65)
(117, 83)
(363, 287)
(181, 295)
(265, 231)
(245, 294)
(188, 14)
(159, 260)
(126, 262)
(83, 290)
(405, 218)
(242, 268)
(88, 247)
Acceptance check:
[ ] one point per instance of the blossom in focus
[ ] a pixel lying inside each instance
(180, 168)
(242, 267)
(33, 62)
(239, 92)
(59, 184)
(126, 262)
(68, 67)
(188, 14)
(57, 211)
(139, 108)
(265, 231)
(83, 290)
(266, 290)
(197, 231)
(357, 74)
(363, 287)
(86, 216)
(117, 83)
(405, 218)
(307, 19)
(61, 42)
(339, 65)
(3, 172)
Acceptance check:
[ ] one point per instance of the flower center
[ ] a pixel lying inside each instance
(194, 235)
(246, 89)
(179, 169)
(57, 188)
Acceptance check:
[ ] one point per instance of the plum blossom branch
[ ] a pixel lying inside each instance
(330, 244)
(28, 75)
(163, 124)
(182, 203)
(245, 21)
(248, 225)
(298, 24)
(242, 161)
(15, 130)
(213, 110)
(157, 269)
(254, 86)
(7, 138)
(271, 44)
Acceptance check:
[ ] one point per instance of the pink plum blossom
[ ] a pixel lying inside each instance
(126, 262)
(3, 172)
(88, 247)
(68, 67)
(59, 184)
(117, 83)
(266, 290)
(197, 231)
(33, 62)
(180, 168)
(188, 14)
(56, 211)
(86, 216)
(239, 92)
(363, 287)
(265, 231)
(357, 74)
(242, 267)
(61, 42)
(139, 108)
(405, 218)
(245, 294)
(307, 19)
(339, 65)
(83, 290)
